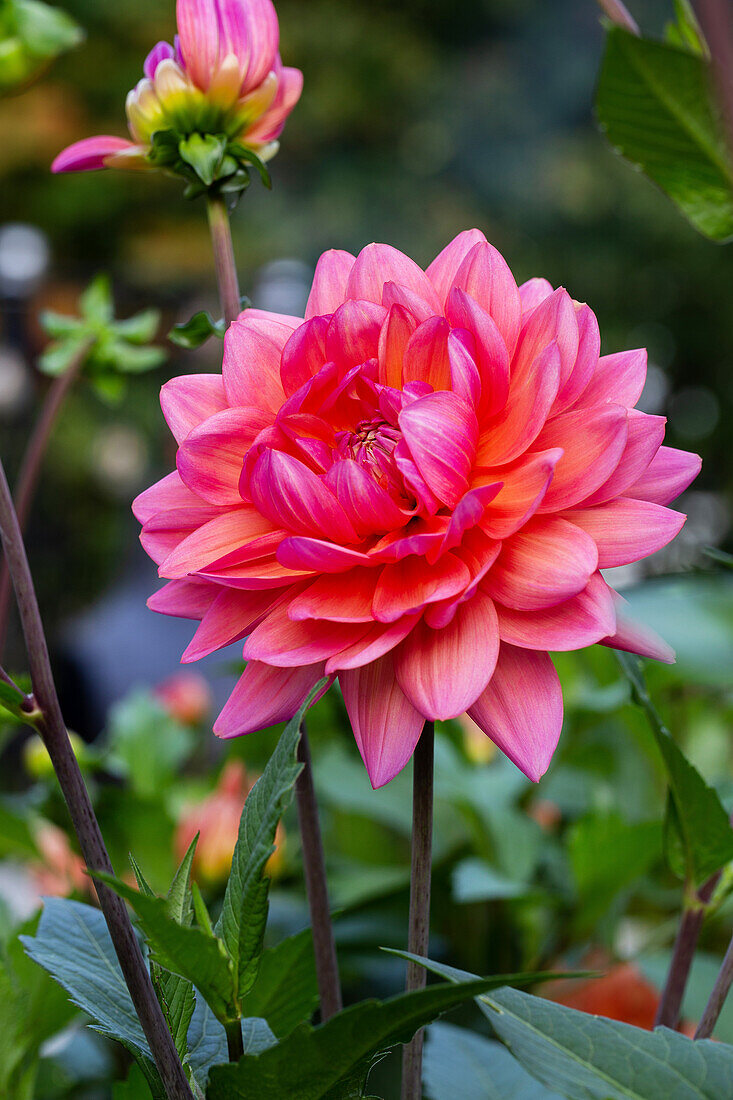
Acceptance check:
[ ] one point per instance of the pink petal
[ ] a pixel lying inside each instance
(378, 640)
(316, 554)
(394, 294)
(198, 32)
(251, 367)
(521, 710)
(586, 362)
(167, 495)
(408, 585)
(426, 355)
(468, 513)
(281, 641)
(89, 154)
(295, 498)
(618, 379)
(231, 615)
(304, 354)
(668, 474)
(542, 565)
(645, 438)
(464, 372)
(271, 324)
(593, 442)
(443, 269)
(533, 292)
(580, 621)
(369, 508)
(251, 32)
(162, 51)
(524, 484)
(492, 357)
(329, 283)
(553, 321)
(627, 530)
(210, 459)
(343, 598)
(637, 638)
(393, 340)
(441, 431)
(190, 399)
(264, 696)
(272, 123)
(443, 672)
(515, 428)
(184, 599)
(227, 532)
(485, 276)
(167, 530)
(378, 264)
(261, 573)
(353, 334)
(386, 725)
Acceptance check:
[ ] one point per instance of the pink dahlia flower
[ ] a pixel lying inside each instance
(413, 490)
(223, 76)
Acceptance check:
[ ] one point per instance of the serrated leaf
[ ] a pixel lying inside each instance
(241, 925)
(587, 1057)
(655, 104)
(180, 902)
(311, 1062)
(188, 952)
(460, 1063)
(285, 992)
(72, 943)
(704, 835)
(96, 303)
(197, 330)
(204, 153)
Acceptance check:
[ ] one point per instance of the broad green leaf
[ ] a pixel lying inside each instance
(311, 1062)
(46, 30)
(656, 107)
(207, 1042)
(587, 1057)
(607, 855)
(188, 952)
(244, 912)
(460, 1063)
(197, 330)
(475, 880)
(73, 945)
(285, 991)
(134, 1088)
(702, 837)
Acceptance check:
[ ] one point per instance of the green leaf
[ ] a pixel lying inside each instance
(140, 329)
(197, 330)
(285, 991)
(607, 855)
(475, 880)
(207, 1042)
(460, 1063)
(311, 1062)
(96, 303)
(73, 945)
(244, 911)
(131, 359)
(702, 839)
(587, 1057)
(684, 31)
(45, 30)
(11, 698)
(59, 325)
(147, 743)
(134, 1088)
(180, 903)
(248, 156)
(16, 838)
(204, 153)
(58, 356)
(188, 952)
(656, 107)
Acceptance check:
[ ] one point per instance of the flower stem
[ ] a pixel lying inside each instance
(314, 863)
(48, 720)
(718, 996)
(419, 931)
(691, 922)
(235, 1042)
(715, 21)
(226, 270)
(31, 467)
(618, 13)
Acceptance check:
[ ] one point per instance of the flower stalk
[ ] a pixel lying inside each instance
(44, 712)
(619, 14)
(691, 922)
(718, 997)
(226, 269)
(31, 464)
(419, 930)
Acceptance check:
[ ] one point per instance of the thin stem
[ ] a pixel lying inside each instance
(235, 1041)
(314, 864)
(691, 922)
(715, 21)
(52, 728)
(618, 13)
(718, 997)
(226, 270)
(419, 932)
(30, 468)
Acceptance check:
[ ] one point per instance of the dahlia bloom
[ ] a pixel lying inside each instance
(414, 490)
(223, 76)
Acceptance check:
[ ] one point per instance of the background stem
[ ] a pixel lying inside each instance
(52, 729)
(618, 13)
(30, 468)
(691, 922)
(226, 270)
(718, 996)
(235, 1041)
(314, 865)
(715, 22)
(419, 932)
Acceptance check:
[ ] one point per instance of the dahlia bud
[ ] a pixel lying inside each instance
(210, 106)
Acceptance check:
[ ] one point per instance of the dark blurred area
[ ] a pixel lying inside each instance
(417, 120)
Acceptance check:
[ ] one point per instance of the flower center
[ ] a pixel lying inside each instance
(372, 445)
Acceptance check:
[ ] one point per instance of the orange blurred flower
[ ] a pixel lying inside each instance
(623, 993)
(62, 870)
(186, 696)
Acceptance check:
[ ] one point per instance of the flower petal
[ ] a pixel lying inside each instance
(167, 495)
(378, 264)
(425, 357)
(553, 321)
(443, 672)
(190, 399)
(293, 497)
(232, 615)
(515, 428)
(272, 122)
(442, 271)
(542, 565)
(637, 638)
(533, 292)
(580, 621)
(264, 696)
(386, 725)
(342, 598)
(618, 379)
(221, 535)
(378, 640)
(304, 354)
(184, 599)
(592, 441)
(522, 710)
(586, 361)
(485, 276)
(280, 640)
(251, 32)
(523, 487)
(251, 368)
(441, 431)
(89, 154)
(210, 459)
(667, 475)
(644, 440)
(369, 508)
(353, 334)
(492, 357)
(305, 553)
(627, 530)
(198, 36)
(329, 283)
(408, 585)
